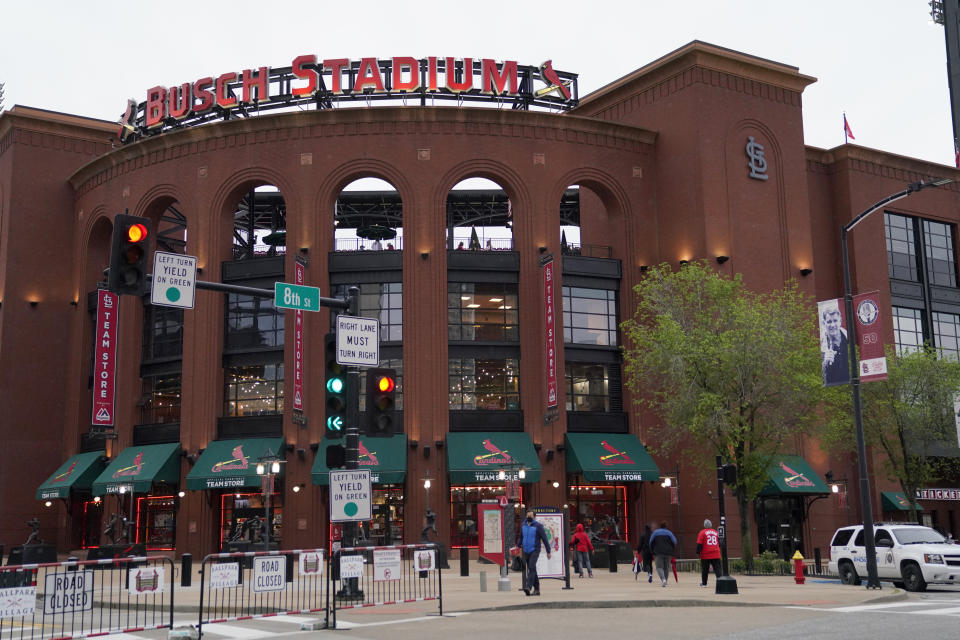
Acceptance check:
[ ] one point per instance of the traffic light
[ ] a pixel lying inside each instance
(336, 389)
(729, 474)
(128, 255)
(381, 388)
(336, 456)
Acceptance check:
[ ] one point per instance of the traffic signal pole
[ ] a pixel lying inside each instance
(351, 588)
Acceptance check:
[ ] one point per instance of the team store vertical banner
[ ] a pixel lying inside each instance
(549, 337)
(298, 346)
(105, 355)
(866, 313)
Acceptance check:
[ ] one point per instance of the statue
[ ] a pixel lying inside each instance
(255, 526)
(430, 522)
(110, 531)
(34, 537)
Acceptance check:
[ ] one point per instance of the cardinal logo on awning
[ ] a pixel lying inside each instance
(66, 474)
(496, 455)
(367, 457)
(794, 479)
(132, 470)
(239, 461)
(615, 456)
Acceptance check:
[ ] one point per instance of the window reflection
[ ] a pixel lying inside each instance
(489, 384)
(253, 322)
(161, 400)
(588, 386)
(253, 390)
(482, 312)
(589, 316)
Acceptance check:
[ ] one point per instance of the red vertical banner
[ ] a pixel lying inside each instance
(549, 334)
(298, 345)
(872, 359)
(105, 358)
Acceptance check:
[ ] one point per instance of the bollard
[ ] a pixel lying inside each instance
(74, 566)
(186, 570)
(290, 562)
(464, 562)
(816, 560)
(612, 551)
(1, 554)
(798, 567)
(483, 582)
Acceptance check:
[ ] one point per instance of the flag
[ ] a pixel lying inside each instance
(956, 155)
(847, 132)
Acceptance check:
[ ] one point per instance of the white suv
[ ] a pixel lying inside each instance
(910, 555)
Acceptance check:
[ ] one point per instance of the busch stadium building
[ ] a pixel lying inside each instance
(495, 222)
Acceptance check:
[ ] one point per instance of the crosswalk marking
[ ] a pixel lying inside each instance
(233, 631)
(911, 607)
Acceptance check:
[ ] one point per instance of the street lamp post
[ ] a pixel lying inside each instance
(866, 506)
(510, 472)
(269, 475)
(129, 526)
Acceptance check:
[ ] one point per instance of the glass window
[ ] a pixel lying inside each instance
(162, 332)
(489, 384)
(938, 249)
(588, 386)
(383, 300)
(907, 329)
(161, 399)
(464, 502)
(946, 334)
(602, 510)
(253, 390)
(482, 312)
(589, 316)
(243, 516)
(253, 322)
(901, 247)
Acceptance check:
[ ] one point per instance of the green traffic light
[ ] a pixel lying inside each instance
(335, 385)
(335, 423)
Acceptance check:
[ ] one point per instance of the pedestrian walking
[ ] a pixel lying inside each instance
(646, 555)
(583, 547)
(708, 546)
(531, 535)
(663, 544)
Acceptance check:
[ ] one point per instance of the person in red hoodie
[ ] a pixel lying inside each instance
(709, 549)
(582, 546)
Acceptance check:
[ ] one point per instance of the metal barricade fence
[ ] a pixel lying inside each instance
(79, 599)
(260, 584)
(379, 576)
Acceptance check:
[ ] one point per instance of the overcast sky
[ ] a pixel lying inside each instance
(882, 61)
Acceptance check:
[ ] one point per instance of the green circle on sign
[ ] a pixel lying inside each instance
(351, 509)
(173, 294)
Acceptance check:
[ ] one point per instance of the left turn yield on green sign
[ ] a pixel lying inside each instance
(350, 495)
(174, 280)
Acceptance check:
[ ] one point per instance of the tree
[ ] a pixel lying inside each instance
(731, 372)
(910, 417)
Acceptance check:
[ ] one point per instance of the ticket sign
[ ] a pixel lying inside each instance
(174, 280)
(350, 494)
(269, 573)
(68, 591)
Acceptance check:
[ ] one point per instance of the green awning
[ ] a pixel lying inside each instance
(792, 475)
(76, 474)
(140, 467)
(478, 457)
(386, 458)
(233, 463)
(894, 501)
(609, 457)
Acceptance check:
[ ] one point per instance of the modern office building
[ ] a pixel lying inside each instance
(498, 301)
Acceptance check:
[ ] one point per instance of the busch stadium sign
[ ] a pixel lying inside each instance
(321, 83)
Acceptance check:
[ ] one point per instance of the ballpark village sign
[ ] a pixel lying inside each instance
(309, 81)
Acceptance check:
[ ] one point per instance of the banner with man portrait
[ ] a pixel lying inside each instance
(834, 344)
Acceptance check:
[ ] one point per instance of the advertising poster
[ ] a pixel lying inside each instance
(311, 563)
(552, 567)
(351, 567)
(873, 359)
(386, 565)
(834, 346)
(145, 581)
(18, 602)
(491, 532)
(224, 576)
(424, 559)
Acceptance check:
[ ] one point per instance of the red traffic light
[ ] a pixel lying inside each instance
(385, 384)
(136, 233)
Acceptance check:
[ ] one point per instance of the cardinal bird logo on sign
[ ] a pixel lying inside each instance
(553, 81)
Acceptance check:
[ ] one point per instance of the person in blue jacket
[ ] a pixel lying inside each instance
(663, 544)
(531, 535)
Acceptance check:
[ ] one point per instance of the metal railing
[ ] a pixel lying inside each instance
(78, 599)
(380, 576)
(259, 584)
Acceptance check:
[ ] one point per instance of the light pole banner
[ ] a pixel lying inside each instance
(105, 355)
(548, 336)
(298, 346)
(873, 360)
(834, 346)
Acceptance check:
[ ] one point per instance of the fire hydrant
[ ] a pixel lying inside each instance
(798, 567)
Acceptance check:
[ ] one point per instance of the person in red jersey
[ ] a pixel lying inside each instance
(708, 546)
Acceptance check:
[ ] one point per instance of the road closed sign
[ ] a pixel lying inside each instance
(350, 495)
(269, 573)
(68, 592)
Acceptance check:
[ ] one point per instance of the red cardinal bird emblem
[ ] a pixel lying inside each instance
(132, 470)
(367, 457)
(128, 122)
(496, 455)
(795, 479)
(616, 456)
(239, 461)
(66, 474)
(549, 76)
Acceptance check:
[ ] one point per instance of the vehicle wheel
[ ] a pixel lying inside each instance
(913, 578)
(898, 584)
(848, 575)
